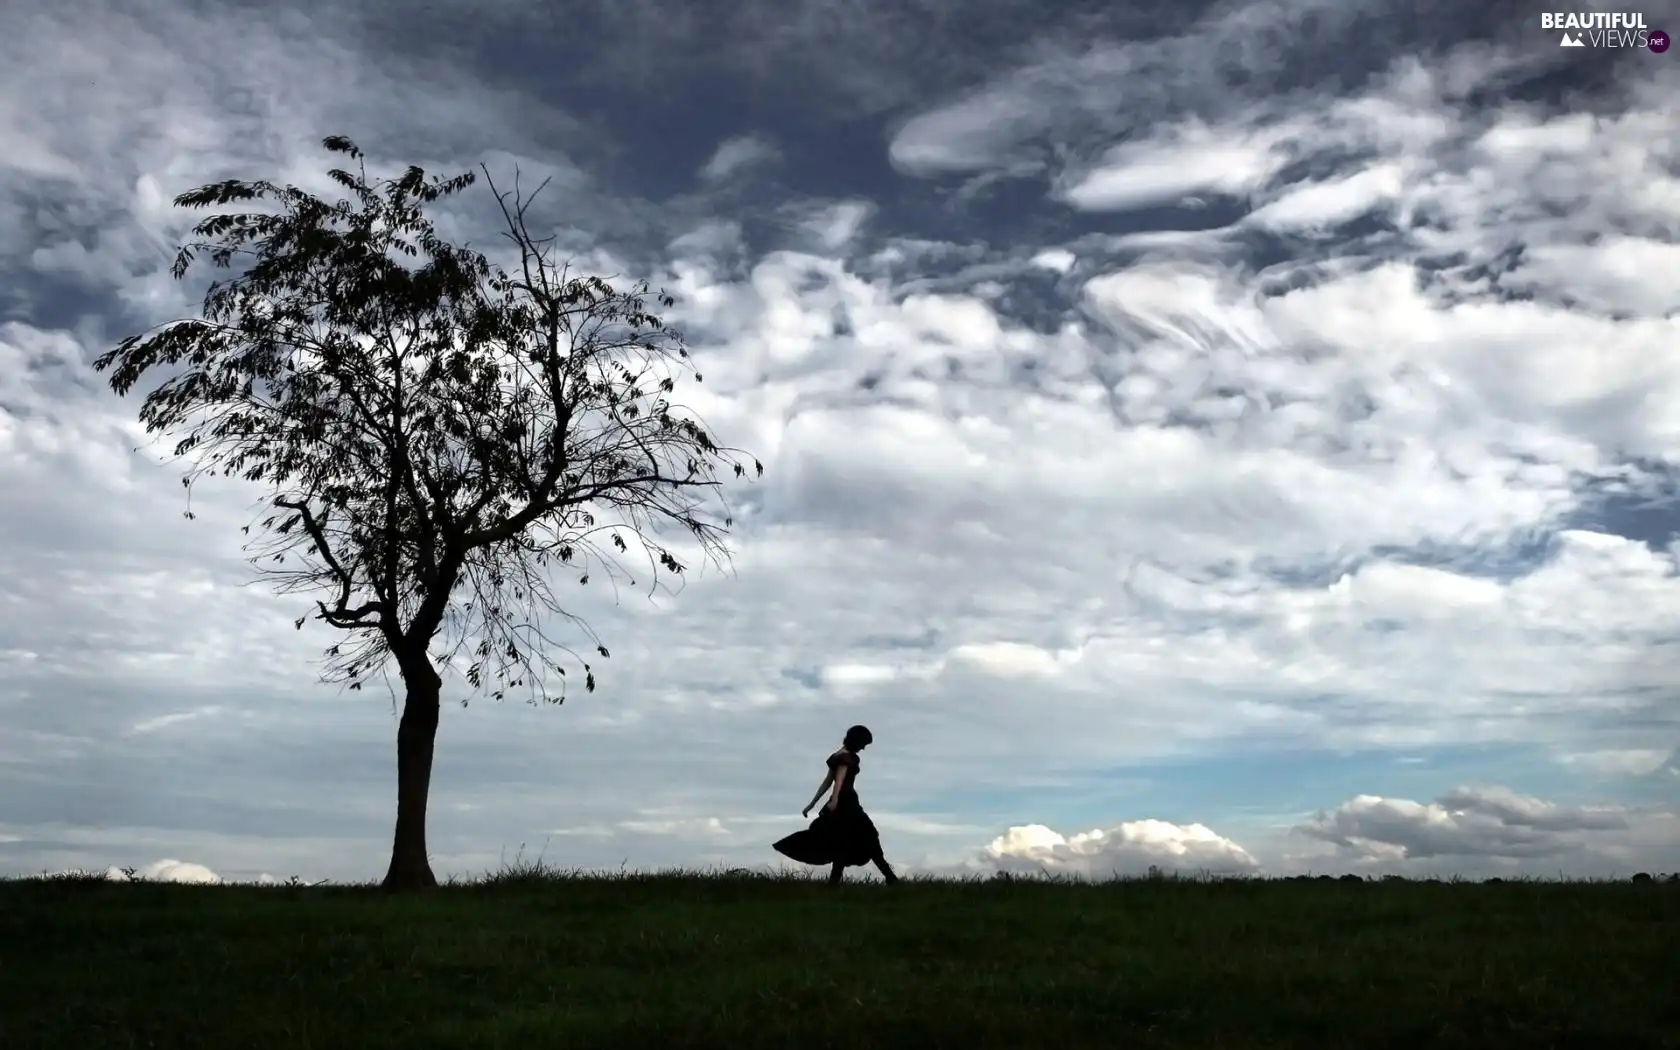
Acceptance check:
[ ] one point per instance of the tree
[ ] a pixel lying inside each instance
(438, 436)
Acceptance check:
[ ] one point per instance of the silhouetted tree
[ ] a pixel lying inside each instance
(439, 435)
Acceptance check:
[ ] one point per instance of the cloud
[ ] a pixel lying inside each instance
(1623, 762)
(1192, 159)
(1105, 88)
(1056, 260)
(169, 870)
(1132, 848)
(1470, 822)
(166, 870)
(736, 155)
(706, 827)
(1330, 203)
(840, 59)
(1670, 767)
(152, 725)
(178, 871)
(832, 226)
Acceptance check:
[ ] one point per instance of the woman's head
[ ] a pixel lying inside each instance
(858, 738)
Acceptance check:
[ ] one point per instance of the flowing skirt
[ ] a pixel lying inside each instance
(843, 836)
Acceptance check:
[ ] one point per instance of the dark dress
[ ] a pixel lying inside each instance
(844, 835)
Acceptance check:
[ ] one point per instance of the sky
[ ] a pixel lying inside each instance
(1236, 438)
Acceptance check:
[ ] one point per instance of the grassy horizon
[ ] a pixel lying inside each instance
(535, 956)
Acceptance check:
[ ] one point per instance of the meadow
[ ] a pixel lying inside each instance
(536, 958)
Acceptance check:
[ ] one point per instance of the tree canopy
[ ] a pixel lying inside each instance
(442, 437)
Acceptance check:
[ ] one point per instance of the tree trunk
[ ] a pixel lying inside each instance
(410, 868)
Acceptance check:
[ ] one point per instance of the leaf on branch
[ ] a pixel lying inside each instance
(602, 650)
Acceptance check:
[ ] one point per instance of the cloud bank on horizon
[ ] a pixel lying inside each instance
(1234, 438)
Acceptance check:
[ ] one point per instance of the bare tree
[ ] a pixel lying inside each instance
(439, 436)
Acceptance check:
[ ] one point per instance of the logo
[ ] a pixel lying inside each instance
(1605, 29)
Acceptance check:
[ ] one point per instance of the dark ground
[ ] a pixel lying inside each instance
(533, 960)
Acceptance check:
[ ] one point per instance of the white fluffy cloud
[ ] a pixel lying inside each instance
(1057, 260)
(1187, 161)
(1132, 848)
(167, 870)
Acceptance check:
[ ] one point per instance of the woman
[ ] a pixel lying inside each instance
(842, 835)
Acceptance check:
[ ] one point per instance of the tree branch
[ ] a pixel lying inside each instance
(317, 532)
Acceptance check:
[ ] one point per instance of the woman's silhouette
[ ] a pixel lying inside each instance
(842, 835)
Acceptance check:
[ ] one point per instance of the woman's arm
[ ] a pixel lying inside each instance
(839, 782)
(827, 780)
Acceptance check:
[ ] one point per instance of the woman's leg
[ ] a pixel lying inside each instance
(835, 873)
(884, 868)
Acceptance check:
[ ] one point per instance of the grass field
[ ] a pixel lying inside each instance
(530, 959)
